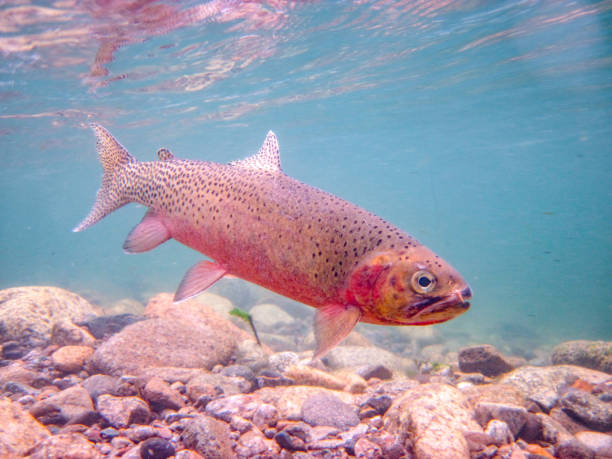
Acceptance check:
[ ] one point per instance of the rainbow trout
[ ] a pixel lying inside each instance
(257, 223)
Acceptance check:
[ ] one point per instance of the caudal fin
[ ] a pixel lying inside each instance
(113, 158)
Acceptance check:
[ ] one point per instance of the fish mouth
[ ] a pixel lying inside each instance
(439, 308)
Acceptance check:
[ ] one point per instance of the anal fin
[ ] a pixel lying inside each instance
(332, 324)
(199, 277)
(147, 235)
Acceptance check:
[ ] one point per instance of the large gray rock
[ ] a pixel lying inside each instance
(543, 384)
(28, 314)
(596, 355)
(163, 343)
(435, 417)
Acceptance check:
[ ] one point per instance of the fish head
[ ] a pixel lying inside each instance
(412, 286)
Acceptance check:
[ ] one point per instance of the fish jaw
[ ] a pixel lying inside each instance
(386, 288)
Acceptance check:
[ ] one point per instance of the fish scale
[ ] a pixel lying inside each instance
(257, 223)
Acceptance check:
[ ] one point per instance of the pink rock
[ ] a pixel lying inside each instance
(71, 359)
(19, 431)
(435, 417)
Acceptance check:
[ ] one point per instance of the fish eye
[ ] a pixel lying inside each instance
(423, 281)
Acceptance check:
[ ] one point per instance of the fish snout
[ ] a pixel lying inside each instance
(465, 294)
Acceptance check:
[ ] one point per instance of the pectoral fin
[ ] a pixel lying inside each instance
(332, 324)
(147, 235)
(199, 278)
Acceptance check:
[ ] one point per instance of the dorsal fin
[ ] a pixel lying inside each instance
(164, 154)
(266, 159)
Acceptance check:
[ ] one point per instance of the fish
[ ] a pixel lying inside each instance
(253, 221)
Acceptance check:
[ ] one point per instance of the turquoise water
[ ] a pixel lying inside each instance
(482, 128)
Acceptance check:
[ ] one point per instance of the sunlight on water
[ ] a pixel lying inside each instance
(482, 128)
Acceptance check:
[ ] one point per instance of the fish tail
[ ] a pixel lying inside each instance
(114, 159)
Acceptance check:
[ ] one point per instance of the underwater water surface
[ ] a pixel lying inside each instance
(484, 129)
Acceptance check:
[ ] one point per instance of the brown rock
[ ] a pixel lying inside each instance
(70, 406)
(209, 437)
(122, 411)
(65, 445)
(435, 417)
(71, 359)
(65, 333)
(494, 393)
(484, 359)
(28, 314)
(160, 395)
(163, 343)
(19, 431)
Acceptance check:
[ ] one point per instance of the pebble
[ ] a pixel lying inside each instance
(71, 359)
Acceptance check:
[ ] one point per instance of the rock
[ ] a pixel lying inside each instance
(156, 448)
(572, 425)
(294, 436)
(194, 312)
(254, 444)
(588, 409)
(161, 343)
(120, 412)
(374, 371)
(15, 372)
(269, 317)
(243, 405)
(265, 415)
(324, 409)
(65, 445)
(375, 406)
(308, 376)
(71, 359)
(65, 333)
(28, 314)
(105, 326)
(209, 437)
(367, 449)
(242, 372)
(70, 406)
(354, 357)
(596, 355)
(212, 384)
(543, 384)
(435, 417)
(572, 448)
(97, 385)
(19, 431)
(160, 395)
(251, 354)
(514, 416)
(484, 359)
(280, 361)
(288, 400)
(599, 443)
(494, 393)
(499, 432)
